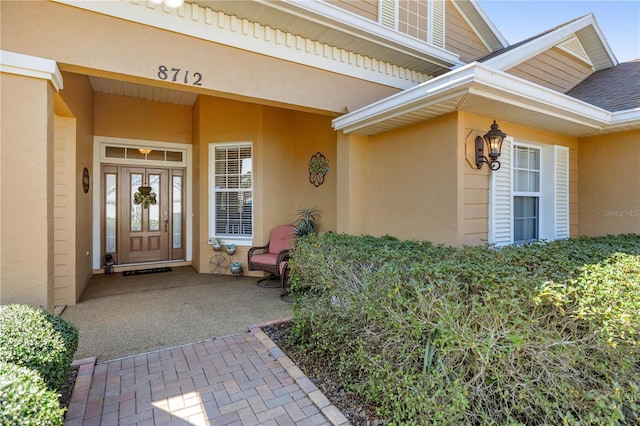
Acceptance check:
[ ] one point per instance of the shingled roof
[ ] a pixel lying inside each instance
(614, 89)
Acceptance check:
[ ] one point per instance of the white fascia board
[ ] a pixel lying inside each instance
(472, 22)
(517, 91)
(349, 23)
(479, 80)
(625, 118)
(489, 22)
(540, 44)
(31, 66)
(218, 27)
(407, 100)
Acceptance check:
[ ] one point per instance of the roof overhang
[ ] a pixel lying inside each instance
(482, 90)
(587, 31)
(326, 23)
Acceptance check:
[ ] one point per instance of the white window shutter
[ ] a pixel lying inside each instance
(500, 199)
(437, 22)
(561, 191)
(388, 13)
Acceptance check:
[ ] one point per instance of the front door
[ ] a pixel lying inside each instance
(144, 228)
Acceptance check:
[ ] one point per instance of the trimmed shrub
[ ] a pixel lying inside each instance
(25, 398)
(33, 338)
(536, 334)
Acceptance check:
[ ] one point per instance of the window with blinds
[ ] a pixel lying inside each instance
(231, 194)
(526, 194)
(529, 194)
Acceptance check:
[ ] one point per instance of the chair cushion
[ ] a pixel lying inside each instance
(281, 238)
(265, 259)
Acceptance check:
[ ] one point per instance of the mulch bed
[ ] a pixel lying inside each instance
(325, 377)
(67, 387)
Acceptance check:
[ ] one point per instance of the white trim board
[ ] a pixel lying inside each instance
(96, 185)
(31, 66)
(218, 27)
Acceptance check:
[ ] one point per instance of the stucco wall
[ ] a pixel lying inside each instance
(353, 191)
(413, 182)
(26, 192)
(77, 96)
(125, 117)
(312, 133)
(283, 143)
(474, 201)
(610, 184)
(96, 44)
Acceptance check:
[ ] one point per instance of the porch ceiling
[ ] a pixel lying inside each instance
(140, 91)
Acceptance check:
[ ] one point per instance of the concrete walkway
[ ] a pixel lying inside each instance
(243, 379)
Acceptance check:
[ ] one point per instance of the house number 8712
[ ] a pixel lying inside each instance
(179, 76)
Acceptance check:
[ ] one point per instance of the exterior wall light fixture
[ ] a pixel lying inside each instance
(493, 139)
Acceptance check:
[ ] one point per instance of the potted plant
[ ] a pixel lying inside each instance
(231, 249)
(305, 223)
(217, 244)
(236, 268)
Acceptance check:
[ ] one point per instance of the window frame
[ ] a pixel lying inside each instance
(537, 195)
(554, 201)
(238, 239)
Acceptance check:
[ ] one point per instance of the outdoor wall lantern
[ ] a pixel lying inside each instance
(493, 139)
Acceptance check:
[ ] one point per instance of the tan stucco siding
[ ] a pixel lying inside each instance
(610, 184)
(64, 204)
(26, 217)
(312, 133)
(365, 8)
(124, 117)
(283, 143)
(223, 120)
(413, 182)
(133, 52)
(77, 99)
(474, 189)
(460, 38)
(353, 191)
(553, 69)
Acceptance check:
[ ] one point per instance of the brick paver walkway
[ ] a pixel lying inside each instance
(243, 379)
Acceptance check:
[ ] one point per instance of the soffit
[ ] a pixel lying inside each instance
(490, 93)
(402, 50)
(481, 105)
(140, 91)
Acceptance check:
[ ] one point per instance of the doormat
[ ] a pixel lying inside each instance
(146, 271)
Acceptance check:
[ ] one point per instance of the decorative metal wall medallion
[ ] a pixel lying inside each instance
(318, 168)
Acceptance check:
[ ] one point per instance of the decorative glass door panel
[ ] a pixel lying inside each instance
(145, 205)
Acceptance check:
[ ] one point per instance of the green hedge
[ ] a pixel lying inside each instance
(25, 399)
(33, 338)
(535, 334)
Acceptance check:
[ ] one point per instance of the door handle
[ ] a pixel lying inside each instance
(166, 225)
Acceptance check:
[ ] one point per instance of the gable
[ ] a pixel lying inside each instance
(460, 38)
(555, 69)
